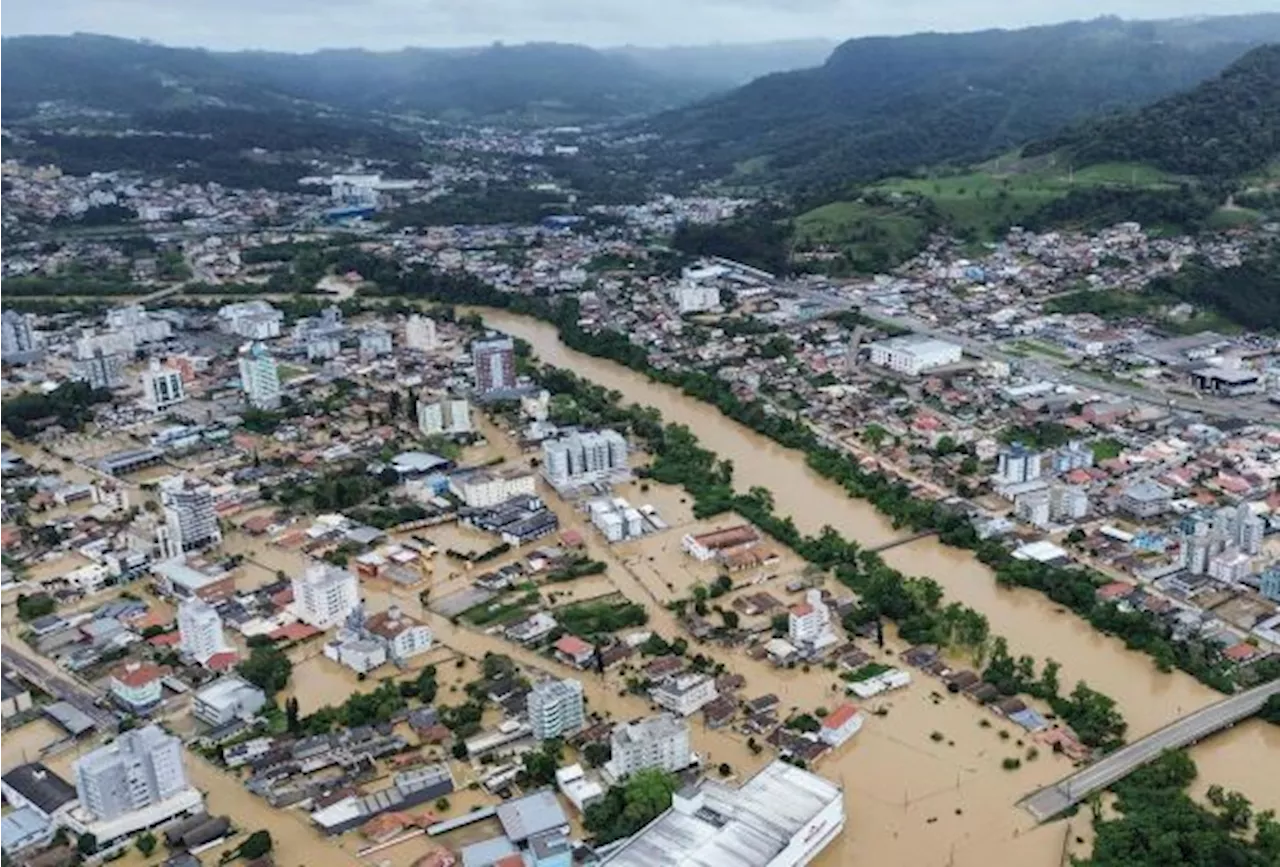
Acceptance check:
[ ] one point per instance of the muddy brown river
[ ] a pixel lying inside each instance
(1032, 623)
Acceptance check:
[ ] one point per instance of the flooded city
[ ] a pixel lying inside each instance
(1032, 623)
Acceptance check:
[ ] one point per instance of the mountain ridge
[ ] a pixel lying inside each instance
(882, 105)
(105, 73)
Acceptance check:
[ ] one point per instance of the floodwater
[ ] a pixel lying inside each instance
(1031, 623)
(25, 744)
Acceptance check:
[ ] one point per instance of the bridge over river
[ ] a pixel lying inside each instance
(1052, 800)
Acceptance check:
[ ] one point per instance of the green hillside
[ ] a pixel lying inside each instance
(884, 105)
(1226, 127)
(888, 221)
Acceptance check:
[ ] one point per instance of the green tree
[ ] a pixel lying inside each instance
(267, 668)
(87, 844)
(146, 843)
(595, 754)
(256, 845)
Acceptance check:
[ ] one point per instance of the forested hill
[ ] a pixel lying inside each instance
(882, 105)
(1225, 127)
(539, 81)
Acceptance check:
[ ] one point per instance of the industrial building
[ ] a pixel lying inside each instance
(913, 354)
(781, 817)
(448, 416)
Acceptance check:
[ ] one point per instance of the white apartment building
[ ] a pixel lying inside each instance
(322, 347)
(584, 458)
(420, 333)
(100, 370)
(190, 516)
(404, 636)
(374, 343)
(555, 708)
(1068, 502)
(660, 741)
(483, 489)
(200, 630)
(446, 416)
(809, 623)
(139, 325)
(161, 387)
(684, 694)
(913, 354)
(19, 335)
(324, 595)
(1033, 507)
(252, 320)
(260, 378)
(1017, 464)
(139, 768)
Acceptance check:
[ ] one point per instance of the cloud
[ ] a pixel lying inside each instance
(303, 25)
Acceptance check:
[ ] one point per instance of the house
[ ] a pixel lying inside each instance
(840, 725)
(684, 694)
(403, 636)
(572, 650)
(137, 686)
(533, 628)
(719, 711)
(1114, 591)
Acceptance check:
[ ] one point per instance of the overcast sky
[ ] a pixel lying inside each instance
(303, 25)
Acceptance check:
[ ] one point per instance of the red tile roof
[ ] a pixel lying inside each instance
(840, 716)
(293, 632)
(804, 609)
(136, 674)
(167, 639)
(1115, 590)
(572, 645)
(224, 661)
(1240, 652)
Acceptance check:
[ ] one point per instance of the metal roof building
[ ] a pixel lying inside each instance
(783, 816)
(533, 814)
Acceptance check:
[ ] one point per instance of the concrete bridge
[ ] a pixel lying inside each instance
(1052, 800)
(905, 540)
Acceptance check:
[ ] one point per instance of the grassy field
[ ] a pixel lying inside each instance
(871, 237)
(978, 205)
(982, 203)
(1230, 218)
